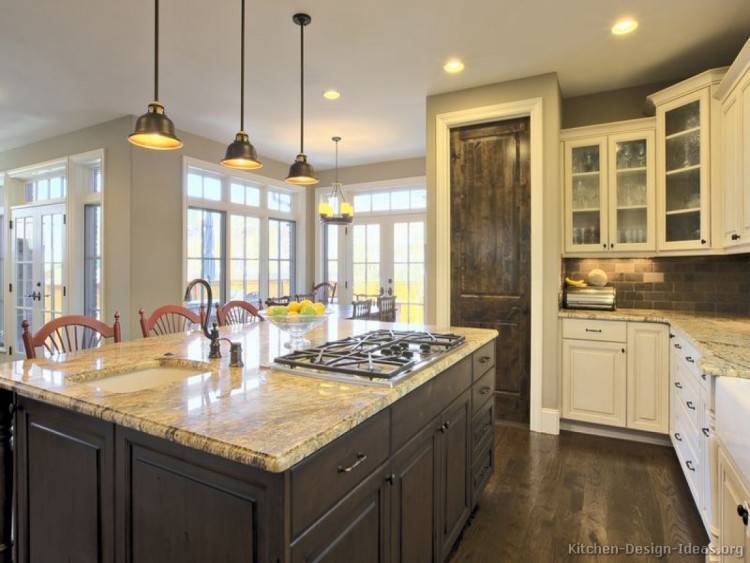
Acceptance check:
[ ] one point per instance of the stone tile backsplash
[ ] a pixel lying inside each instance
(711, 284)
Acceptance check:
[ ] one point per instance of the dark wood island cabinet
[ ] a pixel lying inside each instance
(399, 487)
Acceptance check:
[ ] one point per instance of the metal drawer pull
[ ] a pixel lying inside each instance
(678, 346)
(677, 437)
(743, 513)
(593, 330)
(484, 359)
(678, 384)
(690, 405)
(705, 432)
(360, 460)
(703, 376)
(689, 464)
(690, 359)
(484, 390)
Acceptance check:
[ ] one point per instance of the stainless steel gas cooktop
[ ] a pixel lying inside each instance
(379, 357)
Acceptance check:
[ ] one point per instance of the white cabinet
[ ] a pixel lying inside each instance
(734, 502)
(648, 377)
(594, 381)
(610, 197)
(616, 373)
(734, 95)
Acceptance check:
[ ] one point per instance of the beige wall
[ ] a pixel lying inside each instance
(380, 171)
(546, 87)
(604, 107)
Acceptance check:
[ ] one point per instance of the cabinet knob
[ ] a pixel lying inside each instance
(391, 479)
(612, 245)
(703, 241)
(742, 512)
(736, 237)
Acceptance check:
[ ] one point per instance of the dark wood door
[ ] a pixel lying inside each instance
(355, 530)
(65, 486)
(413, 506)
(453, 475)
(491, 249)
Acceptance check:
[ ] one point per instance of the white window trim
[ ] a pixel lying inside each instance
(264, 183)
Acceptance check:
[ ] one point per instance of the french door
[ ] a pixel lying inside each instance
(39, 292)
(388, 252)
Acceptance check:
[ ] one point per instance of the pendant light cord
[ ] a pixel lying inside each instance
(242, 70)
(302, 88)
(337, 163)
(156, 50)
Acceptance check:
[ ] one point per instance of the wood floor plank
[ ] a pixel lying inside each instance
(551, 491)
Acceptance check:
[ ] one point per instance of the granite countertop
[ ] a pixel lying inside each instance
(261, 417)
(724, 341)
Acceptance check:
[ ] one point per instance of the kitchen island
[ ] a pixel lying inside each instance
(214, 463)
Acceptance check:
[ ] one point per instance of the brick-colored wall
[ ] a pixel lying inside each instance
(712, 284)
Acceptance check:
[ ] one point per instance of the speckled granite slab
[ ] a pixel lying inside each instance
(260, 417)
(723, 341)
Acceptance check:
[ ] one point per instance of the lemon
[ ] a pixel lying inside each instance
(292, 314)
(305, 302)
(294, 307)
(319, 308)
(308, 310)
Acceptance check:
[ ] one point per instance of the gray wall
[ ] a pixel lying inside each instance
(546, 87)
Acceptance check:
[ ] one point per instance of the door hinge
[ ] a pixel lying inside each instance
(10, 224)
(10, 288)
(65, 291)
(65, 218)
(10, 350)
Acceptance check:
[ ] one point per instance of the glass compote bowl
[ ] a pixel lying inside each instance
(297, 326)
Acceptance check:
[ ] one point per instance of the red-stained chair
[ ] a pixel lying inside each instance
(69, 333)
(169, 319)
(237, 313)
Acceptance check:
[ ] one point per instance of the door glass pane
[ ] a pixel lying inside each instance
(409, 270)
(586, 197)
(632, 196)
(205, 252)
(245, 257)
(366, 260)
(52, 287)
(92, 265)
(24, 285)
(281, 262)
(683, 180)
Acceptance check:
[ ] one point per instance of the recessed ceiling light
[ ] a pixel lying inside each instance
(453, 66)
(624, 26)
(331, 94)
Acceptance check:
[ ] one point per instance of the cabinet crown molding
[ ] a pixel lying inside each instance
(738, 68)
(603, 129)
(706, 78)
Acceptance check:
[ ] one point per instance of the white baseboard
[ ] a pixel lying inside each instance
(550, 421)
(618, 433)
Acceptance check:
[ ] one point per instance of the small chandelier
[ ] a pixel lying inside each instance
(346, 211)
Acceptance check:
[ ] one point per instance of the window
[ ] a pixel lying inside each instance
(280, 202)
(331, 252)
(281, 243)
(409, 270)
(244, 269)
(46, 188)
(244, 193)
(203, 185)
(205, 248)
(366, 259)
(95, 179)
(397, 199)
(92, 261)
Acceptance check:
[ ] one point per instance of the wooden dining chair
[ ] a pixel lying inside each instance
(387, 308)
(169, 319)
(237, 313)
(361, 309)
(324, 292)
(303, 296)
(283, 300)
(69, 333)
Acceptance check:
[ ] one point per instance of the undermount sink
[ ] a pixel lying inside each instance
(142, 378)
(732, 416)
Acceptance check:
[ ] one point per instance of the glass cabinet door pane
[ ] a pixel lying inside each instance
(586, 204)
(632, 192)
(683, 118)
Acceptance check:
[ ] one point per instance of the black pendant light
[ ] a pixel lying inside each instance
(301, 172)
(241, 153)
(325, 210)
(154, 130)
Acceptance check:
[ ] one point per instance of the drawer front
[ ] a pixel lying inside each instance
(687, 355)
(482, 425)
(318, 482)
(412, 412)
(482, 390)
(687, 395)
(482, 469)
(689, 459)
(483, 359)
(584, 329)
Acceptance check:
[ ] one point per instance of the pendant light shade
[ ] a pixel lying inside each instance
(154, 130)
(241, 153)
(301, 172)
(325, 209)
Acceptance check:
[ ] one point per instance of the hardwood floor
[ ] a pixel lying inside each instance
(551, 491)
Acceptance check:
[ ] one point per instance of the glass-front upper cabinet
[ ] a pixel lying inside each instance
(632, 192)
(586, 195)
(683, 172)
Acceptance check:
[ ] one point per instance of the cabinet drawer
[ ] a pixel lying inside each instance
(415, 410)
(481, 391)
(687, 395)
(318, 482)
(584, 329)
(482, 424)
(484, 465)
(687, 355)
(689, 459)
(483, 359)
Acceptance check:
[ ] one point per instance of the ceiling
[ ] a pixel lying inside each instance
(68, 65)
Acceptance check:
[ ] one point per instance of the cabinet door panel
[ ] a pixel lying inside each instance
(594, 382)
(744, 157)
(733, 533)
(648, 377)
(65, 486)
(586, 195)
(730, 174)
